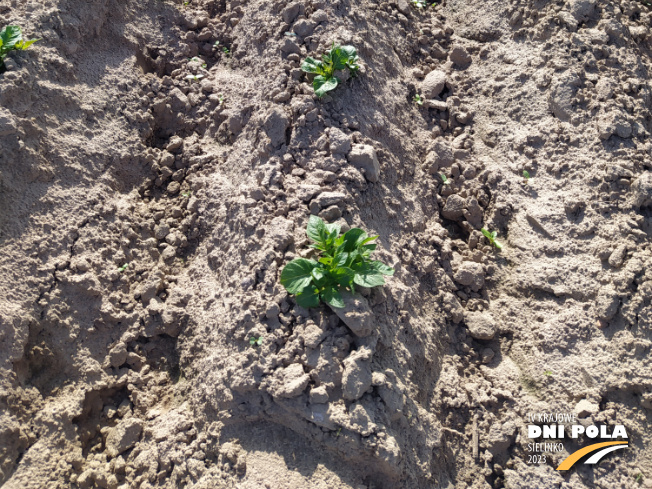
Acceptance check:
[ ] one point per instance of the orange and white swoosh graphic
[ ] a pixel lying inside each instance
(601, 450)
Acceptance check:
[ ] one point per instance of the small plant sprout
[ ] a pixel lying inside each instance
(336, 59)
(195, 78)
(444, 179)
(548, 373)
(185, 194)
(491, 236)
(256, 341)
(526, 175)
(418, 99)
(123, 267)
(422, 3)
(639, 478)
(226, 51)
(343, 263)
(11, 39)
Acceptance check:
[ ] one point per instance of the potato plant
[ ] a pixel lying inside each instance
(342, 263)
(11, 39)
(336, 59)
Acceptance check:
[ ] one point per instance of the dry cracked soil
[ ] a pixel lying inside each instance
(159, 161)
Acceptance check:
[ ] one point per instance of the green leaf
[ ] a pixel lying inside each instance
(297, 274)
(10, 35)
(316, 230)
(343, 276)
(340, 259)
(311, 65)
(381, 267)
(349, 51)
(339, 58)
(24, 45)
(322, 85)
(332, 297)
(333, 230)
(352, 238)
(367, 276)
(370, 238)
(487, 234)
(318, 277)
(308, 297)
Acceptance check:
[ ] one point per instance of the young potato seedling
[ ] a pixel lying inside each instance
(418, 99)
(253, 341)
(422, 3)
(335, 59)
(342, 264)
(491, 236)
(11, 39)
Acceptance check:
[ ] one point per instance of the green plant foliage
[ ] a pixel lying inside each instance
(418, 99)
(422, 4)
(253, 341)
(343, 262)
(11, 39)
(337, 58)
(491, 236)
(444, 179)
(123, 267)
(526, 174)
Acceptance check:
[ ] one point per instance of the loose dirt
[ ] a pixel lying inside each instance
(159, 162)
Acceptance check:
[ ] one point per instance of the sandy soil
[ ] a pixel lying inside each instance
(145, 218)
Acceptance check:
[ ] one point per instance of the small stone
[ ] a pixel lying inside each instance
(290, 46)
(356, 314)
(470, 274)
(326, 199)
(586, 408)
(318, 395)
(433, 84)
(275, 126)
(404, 7)
(291, 12)
(441, 156)
(364, 156)
(175, 143)
(123, 436)
(161, 231)
(295, 381)
(486, 355)
(331, 214)
(340, 143)
(319, 16)
(582, 10)
(617, 257)
(357, 376)
(7, 122)
(118, 355)
(303, 27)
(641, 195)
(454, 207)
(173, 188)
(460, 56)
(481, 325)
